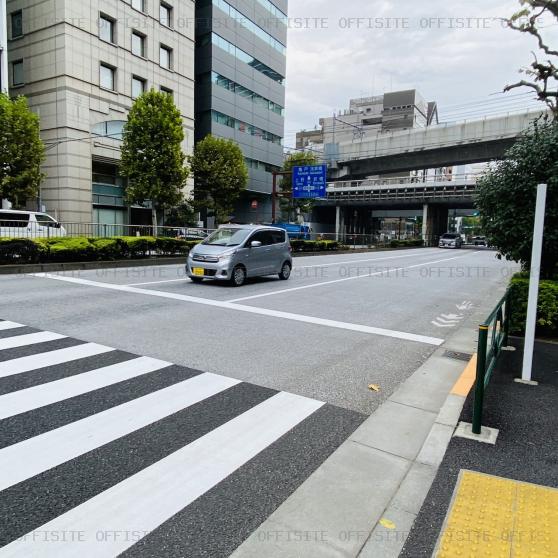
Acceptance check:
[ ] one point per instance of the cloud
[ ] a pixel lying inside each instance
(451, 52)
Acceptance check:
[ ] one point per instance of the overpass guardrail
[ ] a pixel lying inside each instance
(393, 189)
(493, 337)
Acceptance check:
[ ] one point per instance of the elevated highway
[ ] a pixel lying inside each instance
(405, 193)
(448, 144)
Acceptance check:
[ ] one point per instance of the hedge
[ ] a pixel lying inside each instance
(79, 249)
(416, 242)
(547, 311)
(314, 245)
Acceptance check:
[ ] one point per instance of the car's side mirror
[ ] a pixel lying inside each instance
(255, 244)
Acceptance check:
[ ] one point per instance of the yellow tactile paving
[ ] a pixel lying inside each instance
(494, 517)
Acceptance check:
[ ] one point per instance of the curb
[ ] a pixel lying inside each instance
(176, 260)
(431, 455)
(363, 500)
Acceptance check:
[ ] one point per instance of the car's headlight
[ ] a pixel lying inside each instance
(226, 257)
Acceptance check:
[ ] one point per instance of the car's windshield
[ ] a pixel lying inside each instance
(227, 237)
(450, 236)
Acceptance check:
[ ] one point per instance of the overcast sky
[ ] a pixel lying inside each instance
(452, 51)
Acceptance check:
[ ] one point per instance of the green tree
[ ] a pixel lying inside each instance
(152, 156)
(220, 176)
(21, 151)
(543, 73)
(506, 197)
(180, 216)
(290, 206)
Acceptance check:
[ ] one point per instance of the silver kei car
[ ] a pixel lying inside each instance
(234, 252)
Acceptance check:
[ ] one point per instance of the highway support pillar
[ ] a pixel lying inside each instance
(434, 223)
(339, 223)
(425, 224)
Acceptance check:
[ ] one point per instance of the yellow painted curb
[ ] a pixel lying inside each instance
(467, 379)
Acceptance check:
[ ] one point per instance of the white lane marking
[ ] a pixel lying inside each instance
(157, 282)
(29, 339)
(142, 502)
(42, 360)
(422, 253)
(45, 394)
(252, 310)
(31, 457)
(9, 325)
(334, 281)
(295, 267)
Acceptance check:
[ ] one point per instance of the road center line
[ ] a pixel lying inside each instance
(251, 309)
(333, 264)
(314, 285)
(347, 262)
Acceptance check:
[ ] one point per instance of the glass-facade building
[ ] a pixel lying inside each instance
(240, 67)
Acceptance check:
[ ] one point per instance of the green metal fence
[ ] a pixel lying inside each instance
(493, 336)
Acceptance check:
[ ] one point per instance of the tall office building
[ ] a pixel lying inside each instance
(397, 110)
(240, 88)
(81, 65)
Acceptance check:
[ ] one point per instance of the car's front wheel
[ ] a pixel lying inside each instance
(285, 272)
(238, 276)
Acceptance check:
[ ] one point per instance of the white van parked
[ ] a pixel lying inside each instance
(28, 224)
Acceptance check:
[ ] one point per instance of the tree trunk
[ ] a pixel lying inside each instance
(154, 220)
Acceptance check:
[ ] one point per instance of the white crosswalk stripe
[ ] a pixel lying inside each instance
(31, 457)
(58, 356)
(46, 394)
(85, 428)
(147, 499)
(29, 339)
(9, 325)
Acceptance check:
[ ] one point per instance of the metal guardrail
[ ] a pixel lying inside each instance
(26, 229)
(414, 181)
(408, 188)
(493, 336)
(51, 229)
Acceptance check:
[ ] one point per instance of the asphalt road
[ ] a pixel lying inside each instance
(143, 415)
(341, 323)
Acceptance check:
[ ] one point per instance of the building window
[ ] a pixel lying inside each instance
(17, 24)
(242, 21)
(138, 5)
(165, 14)
(138, 44)
(245, 128)
(17, 72)
(138, 86)
(239, 54)
(107, 28)
(165, 57)
(107, 75)
(167, 91)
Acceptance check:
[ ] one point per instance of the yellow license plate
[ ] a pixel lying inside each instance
(199, 271)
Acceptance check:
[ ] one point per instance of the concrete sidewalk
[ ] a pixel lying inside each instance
(513, 504)
(364, 499)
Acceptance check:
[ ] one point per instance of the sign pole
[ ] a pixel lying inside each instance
(273, 198)
(534, 286)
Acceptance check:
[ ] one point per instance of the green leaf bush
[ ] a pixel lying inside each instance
(416, 242)
(547, 310)
(82, 249)
(314, 245)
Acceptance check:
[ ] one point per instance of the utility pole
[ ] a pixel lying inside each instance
(3, 48)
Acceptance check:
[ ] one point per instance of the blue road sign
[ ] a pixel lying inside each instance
(310, 181)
